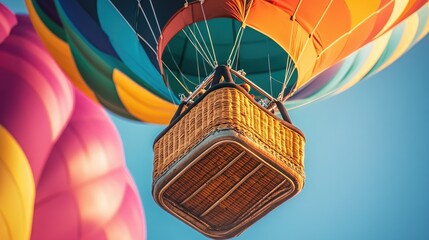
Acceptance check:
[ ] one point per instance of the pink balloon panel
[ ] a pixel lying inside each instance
(37, 99)
(85, 191)
(83, 188)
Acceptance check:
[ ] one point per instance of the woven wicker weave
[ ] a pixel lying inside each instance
(226, 162)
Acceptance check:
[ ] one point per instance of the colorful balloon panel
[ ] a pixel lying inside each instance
(85, 179)
(151, 48)
(62, 168)
(99, 74)
(364, 63)
(35, 90)
(17, 189)
(35, 104)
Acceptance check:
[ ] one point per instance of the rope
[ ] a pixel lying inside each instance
(296, 10)
(147, 20)
(178, 68)
(204, 42)
(240, 32)
(156, 17)
(169, 91)
(355, 27)
(269, 67)
(289, 59)
(208, 31)
(276, 80)
(177, 79)
(235, 43)
(236, 62)
(131, 27)
(238, 38)
(248, 11)
(203, 54)
(288, 75)
(144, 40)
(208, 54)
(205, 69)
(238, 47)
(286, 81)
(198, 66)
(320, 20)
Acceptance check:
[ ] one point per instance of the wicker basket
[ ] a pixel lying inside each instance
(226, 162)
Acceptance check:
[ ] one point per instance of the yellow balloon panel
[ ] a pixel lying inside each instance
(132, 98)
(17, 190)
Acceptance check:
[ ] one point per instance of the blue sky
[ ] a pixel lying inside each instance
(367, 157)
(366, 164)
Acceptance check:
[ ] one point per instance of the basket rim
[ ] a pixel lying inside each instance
(227, 134)
(217, 87)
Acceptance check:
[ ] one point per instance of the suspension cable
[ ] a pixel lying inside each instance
(239, 35)
(205, 50)
(150, 47)
(198, 64)
(178, 68)
(238, 47)
(238, 57)
(296, 10)
(208, 54)
(132, 29)
(289, 60)
(204, 42)
(177, 79)
(333, 43)
(147, 20)
(355, 27)
(208, 31)
(156, 17)
(169, 91)
(289, 70)
(286, 80)
(203, 54)
(248, 11)
(238, 38)
(240, 30)
(205, 69)
(269, 66)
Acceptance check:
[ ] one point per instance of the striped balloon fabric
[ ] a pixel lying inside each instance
(137, 57)
(367, 61)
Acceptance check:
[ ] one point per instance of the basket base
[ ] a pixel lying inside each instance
(223, 185)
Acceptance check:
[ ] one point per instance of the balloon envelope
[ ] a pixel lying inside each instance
(62, 168)
(125, 55)
(85, 191)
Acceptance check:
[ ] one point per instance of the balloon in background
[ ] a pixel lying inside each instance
(85, 191)
(121, 52)
(60, 155)
(36, 103)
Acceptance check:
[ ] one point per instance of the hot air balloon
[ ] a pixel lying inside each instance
(86, 181)
(221, 73)
(62, 169)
